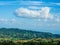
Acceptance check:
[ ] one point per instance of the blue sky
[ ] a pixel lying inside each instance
(43, 15)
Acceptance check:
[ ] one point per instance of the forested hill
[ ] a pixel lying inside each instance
(24, 34)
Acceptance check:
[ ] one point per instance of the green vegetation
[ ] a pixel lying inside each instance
(14, 36)
(24, 34)
(36, 41)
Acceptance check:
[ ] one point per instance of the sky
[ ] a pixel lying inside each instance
(36, 15)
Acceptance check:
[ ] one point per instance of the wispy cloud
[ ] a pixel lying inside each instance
(9, 3)
(37, 3)
(56, 4)
(21, 3)
(4, 20)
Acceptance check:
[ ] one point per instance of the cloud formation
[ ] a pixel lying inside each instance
(20, 3)
(37, 3)
(38, 10)
(4, 20)
(44, 13)
(56, 4)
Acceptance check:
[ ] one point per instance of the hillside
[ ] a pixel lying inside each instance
(24, 34)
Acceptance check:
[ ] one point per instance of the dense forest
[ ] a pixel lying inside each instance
(25, 34)
(15, 36)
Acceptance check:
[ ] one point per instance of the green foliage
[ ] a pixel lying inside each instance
(24, 34)
(14, 36)
(31, 42)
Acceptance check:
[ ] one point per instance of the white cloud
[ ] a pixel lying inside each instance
(37, 3)
(30, 3)
(58, 19)
(34, 7)
(4, 20)
(43, 13)
(5, 3)
(56, 4)
(20, 3)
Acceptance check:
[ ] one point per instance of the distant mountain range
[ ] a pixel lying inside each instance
(25, 34)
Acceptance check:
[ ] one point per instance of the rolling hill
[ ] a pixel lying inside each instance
(25, 34)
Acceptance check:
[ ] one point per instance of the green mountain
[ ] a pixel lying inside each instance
(25, 34)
